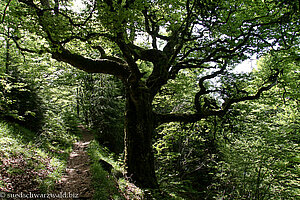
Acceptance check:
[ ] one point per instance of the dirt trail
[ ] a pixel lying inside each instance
(76, 182)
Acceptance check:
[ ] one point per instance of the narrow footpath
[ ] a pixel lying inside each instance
(76, 183)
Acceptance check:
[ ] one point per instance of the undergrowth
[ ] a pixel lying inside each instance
(110, 184)
(30, 162)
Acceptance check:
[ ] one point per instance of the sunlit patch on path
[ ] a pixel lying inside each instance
(77, 178)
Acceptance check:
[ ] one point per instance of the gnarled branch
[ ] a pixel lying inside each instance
(106, 65)
(194, 117)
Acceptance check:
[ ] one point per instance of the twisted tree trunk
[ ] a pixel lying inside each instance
(139, 127)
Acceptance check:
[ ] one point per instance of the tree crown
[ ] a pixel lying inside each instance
(123, 38)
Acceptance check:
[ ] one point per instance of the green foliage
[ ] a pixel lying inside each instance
(20, 102)
(260, 148)
(186, 156)
(19, 95)
(286, 63)
(177, 95)
(100, 101)
(261, 155)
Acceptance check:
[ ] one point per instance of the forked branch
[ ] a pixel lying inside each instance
(204, 113)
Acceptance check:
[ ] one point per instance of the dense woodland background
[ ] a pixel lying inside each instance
(250, 150)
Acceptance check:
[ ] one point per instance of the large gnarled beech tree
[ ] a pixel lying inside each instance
(170, 36)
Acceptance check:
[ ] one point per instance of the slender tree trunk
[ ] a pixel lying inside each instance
(77, 102)
(7, 57)
(139, 127)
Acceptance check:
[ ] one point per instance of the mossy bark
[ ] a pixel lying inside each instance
(139, 128)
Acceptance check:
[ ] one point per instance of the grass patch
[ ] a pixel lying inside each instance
(104, 183)
(31, 162)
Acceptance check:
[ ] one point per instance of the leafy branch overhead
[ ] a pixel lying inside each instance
(208, 35)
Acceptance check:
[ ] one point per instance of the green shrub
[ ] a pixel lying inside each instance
(19, 102)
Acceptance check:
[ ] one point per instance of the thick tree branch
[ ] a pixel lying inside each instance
(106, 66)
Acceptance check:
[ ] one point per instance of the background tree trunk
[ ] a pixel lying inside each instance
(139, 127)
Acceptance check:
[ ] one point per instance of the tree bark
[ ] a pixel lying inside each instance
(139, 128)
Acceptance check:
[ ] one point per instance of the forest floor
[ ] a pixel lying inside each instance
(77, 182)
